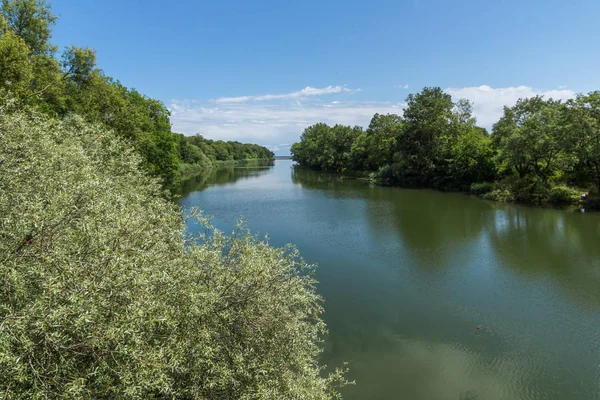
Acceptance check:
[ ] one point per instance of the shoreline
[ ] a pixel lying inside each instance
(575, 204)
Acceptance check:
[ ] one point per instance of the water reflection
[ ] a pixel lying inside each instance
(434, 227)
(430, 224)
(545, 244)
(223, 176)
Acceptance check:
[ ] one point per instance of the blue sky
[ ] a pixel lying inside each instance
(261, 71)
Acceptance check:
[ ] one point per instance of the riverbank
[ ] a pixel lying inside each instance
(508, 190)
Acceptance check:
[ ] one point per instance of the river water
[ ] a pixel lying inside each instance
(432, 295)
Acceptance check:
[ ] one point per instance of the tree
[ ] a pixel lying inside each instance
(583, 116)
(32, 21)
(16, 71)
(472, 159)
(431, 128)
(381, 140)
(531, 138)
(310, 151)
(78, 63)
(103, 295)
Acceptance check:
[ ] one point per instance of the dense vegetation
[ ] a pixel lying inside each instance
(73, 84)
(197, 153)
(102, 294)
(538, 151)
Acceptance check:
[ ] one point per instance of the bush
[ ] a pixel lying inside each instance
(528, 190)
(503, 195)
(482, 188)
(104, 297)
(563, 195)
(389, 174)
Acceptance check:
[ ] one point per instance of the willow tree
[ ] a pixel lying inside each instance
(102, 294)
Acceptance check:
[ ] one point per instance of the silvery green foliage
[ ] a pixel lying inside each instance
(103, 296)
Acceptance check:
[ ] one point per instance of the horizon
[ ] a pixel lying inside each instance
(265, 71)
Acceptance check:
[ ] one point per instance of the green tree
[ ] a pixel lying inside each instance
(531, 138)
(16, 70)
(431, 129)
(583, 116)
(472, 159)
(79, 63)
(377, 146)
(310, 151)
(31, 20)
(103, 296)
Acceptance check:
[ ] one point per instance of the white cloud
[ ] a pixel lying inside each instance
(307, 91)
(270, 122)
(279, 147)
(405, 86)
(488, 102)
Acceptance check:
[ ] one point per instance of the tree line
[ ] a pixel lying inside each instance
(103, 293)
(198, 153)
(31, 72)
(541, 150)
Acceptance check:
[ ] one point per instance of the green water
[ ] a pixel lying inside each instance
(410, 275)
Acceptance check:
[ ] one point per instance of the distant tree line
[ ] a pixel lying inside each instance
(539, 151)
(196, 152)
(72, 84)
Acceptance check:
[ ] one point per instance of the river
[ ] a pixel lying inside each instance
(432, 295)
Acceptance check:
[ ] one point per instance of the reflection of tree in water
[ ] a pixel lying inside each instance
(545, 244)
(430, 224)
(338, 185)
(223, 176)
(435, 226)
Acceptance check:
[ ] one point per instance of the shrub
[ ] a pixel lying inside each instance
(528, 190)
(503, 195)
(388, 174)
(482, 188)
(563, 195)
(103, 296)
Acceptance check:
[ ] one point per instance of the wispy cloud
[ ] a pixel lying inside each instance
(405, 86)
(306, 92)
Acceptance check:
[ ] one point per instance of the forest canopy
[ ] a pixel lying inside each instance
(539, 151)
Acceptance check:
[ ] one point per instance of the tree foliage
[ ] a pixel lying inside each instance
(537, 147)
(583, 119)
(74, 85)
(530, 138)
(435, 143)
(16, 69)
(103, 295)
(31, 20)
